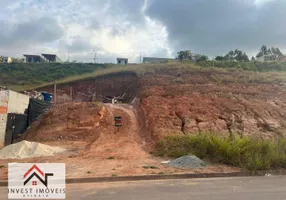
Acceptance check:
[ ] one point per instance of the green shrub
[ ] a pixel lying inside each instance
(39, 73)
(246, 153)
(246, 66)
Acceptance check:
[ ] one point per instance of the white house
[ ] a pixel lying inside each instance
(122, 61)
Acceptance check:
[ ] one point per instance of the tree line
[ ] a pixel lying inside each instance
(234, 55)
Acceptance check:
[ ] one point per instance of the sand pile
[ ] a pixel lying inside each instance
(27, 149)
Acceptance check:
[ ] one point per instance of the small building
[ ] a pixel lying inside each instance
(4, 59)
(150, 60)
(122, 61)
(33, 58)
(282, 59)
(51, 58)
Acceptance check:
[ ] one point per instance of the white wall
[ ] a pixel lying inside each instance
(4, 97)
(18, 103)
(122, 62)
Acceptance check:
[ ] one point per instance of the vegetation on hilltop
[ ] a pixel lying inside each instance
(246, 66)
(25, 74)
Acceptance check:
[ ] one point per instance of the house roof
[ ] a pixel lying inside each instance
(45, 54)
(31, 55)
(122, 58)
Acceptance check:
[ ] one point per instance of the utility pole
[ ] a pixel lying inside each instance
(55, 92)
(94, 58)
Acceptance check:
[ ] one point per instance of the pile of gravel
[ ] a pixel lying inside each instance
(27, 149)
(189, 162)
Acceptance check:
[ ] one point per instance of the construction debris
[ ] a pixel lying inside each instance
(113, 100)
(34, 94)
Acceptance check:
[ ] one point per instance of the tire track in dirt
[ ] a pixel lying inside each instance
(130, 111)
(123, 144)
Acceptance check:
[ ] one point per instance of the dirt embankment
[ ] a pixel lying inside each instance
(115, 84)
(229, 103)
(99, 150)
(180, 101)
(68, 122)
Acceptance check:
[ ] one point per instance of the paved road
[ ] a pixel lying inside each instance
(260, 188)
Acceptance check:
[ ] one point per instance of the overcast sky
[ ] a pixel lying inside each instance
(124, 28)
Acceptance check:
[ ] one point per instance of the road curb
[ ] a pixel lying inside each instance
(166, 177)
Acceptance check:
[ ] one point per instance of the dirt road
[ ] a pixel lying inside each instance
(125, 143)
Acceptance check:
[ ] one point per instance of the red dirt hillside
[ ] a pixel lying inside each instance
(244, 103)
(68, 122)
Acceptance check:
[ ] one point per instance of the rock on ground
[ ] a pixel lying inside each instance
(187, 162)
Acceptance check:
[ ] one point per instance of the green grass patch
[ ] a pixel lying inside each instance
(111, 158)
(28, 76)
(250, 154)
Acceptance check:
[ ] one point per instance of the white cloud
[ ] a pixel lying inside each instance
(124, 28)
(110, 27)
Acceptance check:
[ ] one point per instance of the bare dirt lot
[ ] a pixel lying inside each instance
(169, 101)
(95, 146)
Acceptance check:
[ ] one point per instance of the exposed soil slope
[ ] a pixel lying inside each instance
(99, 150)
(68, 122)
(176, 100)
(229, 103)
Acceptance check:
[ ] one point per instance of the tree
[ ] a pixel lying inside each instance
(229, 56)
(185, 55)
(236, 55)
(203, 58)
(219, 58)
(240, 56)
(252, 58)
(273, 52)
(200, 58)
(276, 52)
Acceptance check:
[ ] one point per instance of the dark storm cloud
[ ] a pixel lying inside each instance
(39, 31)
(216, 26)
(131, 9)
